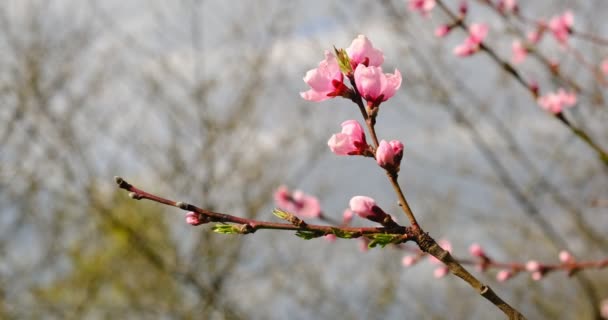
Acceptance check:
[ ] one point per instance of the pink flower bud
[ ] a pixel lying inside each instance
(440, 272)
(347, 217)
(442, 31)
(331, 238)
(536, 276)
(604, 308)
(374, 85)
(519, 52)
(555, 102)
(351, 141)
(476, 251)
(533, 266)
(422, 6)
(194, 219)
(361, 50)
(565, 257)
(408, 261)
(366, 207)
(463, 8)
(326, 81)
(389, 154)
(504, 275)
(508, 6)
(561, 26)
(477, 33)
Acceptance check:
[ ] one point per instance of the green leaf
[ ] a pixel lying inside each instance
(343, 234)
(383, 240)
(226, 229)
(307, 235)
(280, 214)
(343, 61)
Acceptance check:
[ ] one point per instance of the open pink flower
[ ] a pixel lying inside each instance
(477, 32)
(422, 6)
(389, 154)
(298, 203)
(361, 50)
(326, 81)
(520, 52)
(376, 86)
(561, 26)
(351, 141)
(556, 102)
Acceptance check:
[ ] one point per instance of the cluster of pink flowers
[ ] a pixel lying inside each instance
(327, 80)
(297, 202)
(556, 102)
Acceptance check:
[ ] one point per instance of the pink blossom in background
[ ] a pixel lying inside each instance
(363, 206)
(424, 7)
(533, 266)
(326, 81)
(374, 85)
(351, 141)
(507, 5)
(361, 50)
(537, 276)
(604, 308)
(347, 217)
(193, 218)
(519, 52)
(331, 238)
(604, 66)
(442, 31)
(565, 257)
(556, 102)
(440, 272)
(389, 154)
(476, 250)
(535, 36)
(504, 275)
(463, 8)
(298, 203)
(477, 33)
(363, 245)
(408, 261)
(561, 26)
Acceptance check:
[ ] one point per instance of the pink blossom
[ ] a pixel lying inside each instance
(351, 141)
(537, 275)
(195, 219)
(507, 5)
(520, 52)
(374, 85)
(533, 266)
(422, 6)
(555, 102)
(298, 203)
(440, 272)
(463, 8)
(477, 251)
(408, 261)
(442, 30)
(347, 217)
(361, 50)
(326, 81)
(477, 32)
(363, 244)
(604, 66)
(504, 275)
(331, 238)
(364, 206)
(535, 36)
(561, 26)
(565, 257)
(389, 154)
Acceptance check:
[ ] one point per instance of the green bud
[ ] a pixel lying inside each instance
(383, 240)
(226, 229)
(343, 234)
(343, 61)
(307, 235)
(281, 214)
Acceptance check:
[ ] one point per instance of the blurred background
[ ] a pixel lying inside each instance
(199, 101)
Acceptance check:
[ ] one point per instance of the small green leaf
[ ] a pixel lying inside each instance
(280, 214)
(383, 240)
(343, 234)
(226, 229)
(307, 235)
(343, 61)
